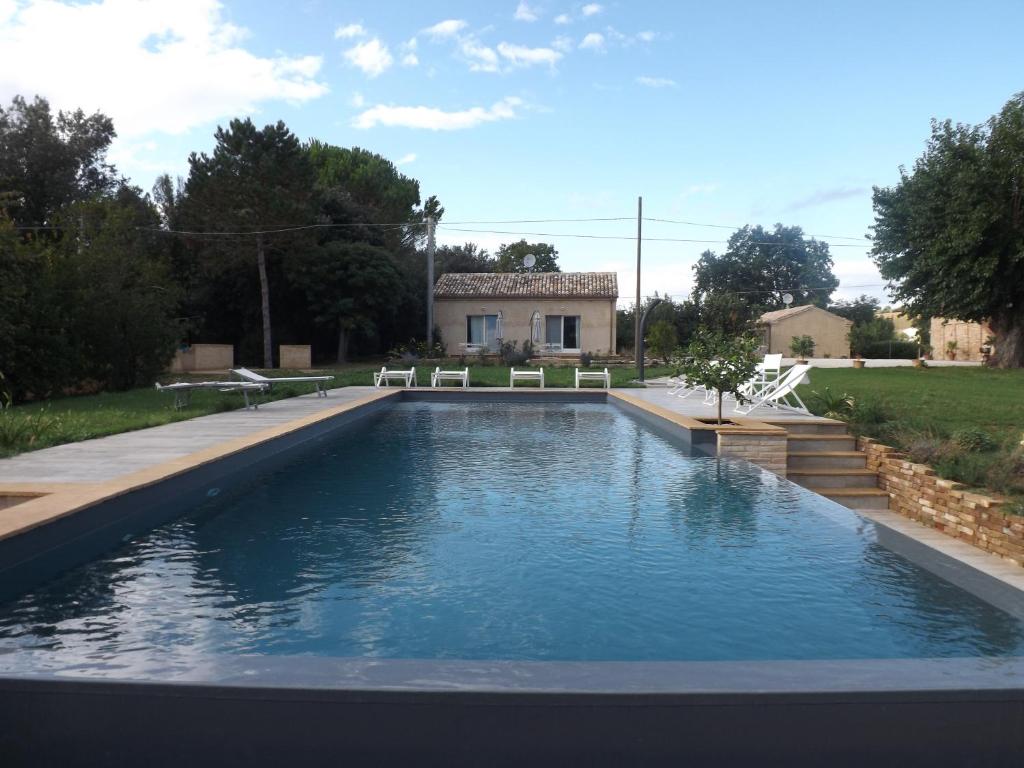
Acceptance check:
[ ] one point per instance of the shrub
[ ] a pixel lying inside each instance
(510, 355)
(415, 350)
(586, 358)
(869, 411)
(895, 350)
(831, 405)
(802, 346)
(974, 439)
(662, 339)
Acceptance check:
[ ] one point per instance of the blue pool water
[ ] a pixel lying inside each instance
(496, 531)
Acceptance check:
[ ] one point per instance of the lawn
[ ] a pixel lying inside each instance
(967, 423)
(33, 426)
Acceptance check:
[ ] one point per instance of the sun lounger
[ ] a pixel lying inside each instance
(601, 376)
(320, 382)
(781, 394)
(183, 390)
(528, 374)
(439, 376)
(384, 377)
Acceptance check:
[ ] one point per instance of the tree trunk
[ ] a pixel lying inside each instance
(261, 261)
(342, 345)
(1009, 341)
(719, 406)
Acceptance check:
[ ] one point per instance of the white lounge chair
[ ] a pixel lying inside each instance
(320, 382)
(781, 394)
(765, 375)
(183, 390)
(601, 376)
(384, 377)
(527, 374)
(439, 376)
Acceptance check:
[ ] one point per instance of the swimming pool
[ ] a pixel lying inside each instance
(530, 532)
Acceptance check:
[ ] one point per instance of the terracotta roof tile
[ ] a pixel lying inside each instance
(535, 285)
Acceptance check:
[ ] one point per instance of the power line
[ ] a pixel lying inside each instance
(730, 226)
(630, 238)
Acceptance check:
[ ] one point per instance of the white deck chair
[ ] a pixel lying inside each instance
(765, 375)
(526, 375)
(601, 376)
(320, 382)
(183, 390)
(439, 376)
(383, 377)
(781, 394)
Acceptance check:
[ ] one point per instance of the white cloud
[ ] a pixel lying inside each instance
(357, 100)
(410, 60)
(525, 13)
(656, 82)
(406, 159)
(434, 119)
(563, 18)
(445, 29)
(646, 36)
(349, 31)
(592, 9)
(372, 57)
(480, 57)
(161, 66)
(521, 56)
(593, 40)
(562, 43)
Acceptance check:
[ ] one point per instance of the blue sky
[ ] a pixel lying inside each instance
(721, 113)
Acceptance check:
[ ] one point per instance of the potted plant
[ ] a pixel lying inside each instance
(802, 348)
(858, 361)
(951, 350)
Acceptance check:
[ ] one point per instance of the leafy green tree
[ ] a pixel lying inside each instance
(726, 312)
(662, 339)
(864, 335)
(48, 161)
(510, 257)
(859, 311)
(950, 234)
(682, 315)
(350, 287)
(255, 180)
(762, 265)
(720, 362)
(463, 258)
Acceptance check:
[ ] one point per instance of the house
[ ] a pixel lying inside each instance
(829, 331)
(559, 312)
(968, 339)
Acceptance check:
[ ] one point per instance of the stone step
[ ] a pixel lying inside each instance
(809, 426)
(833, 478)
(826, 460)
(859, 498)
(820, 442)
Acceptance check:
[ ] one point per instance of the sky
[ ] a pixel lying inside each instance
(719, 114)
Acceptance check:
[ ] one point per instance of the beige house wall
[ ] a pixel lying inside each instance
(597, 319)
(828, 331)
(203, 357)
(969, 338)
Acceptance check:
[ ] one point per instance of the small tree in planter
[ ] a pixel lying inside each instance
(721, 363)
(802, 348)
(951, 349)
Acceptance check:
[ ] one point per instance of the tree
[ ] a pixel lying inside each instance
(349, 287)
(762, 266)
(950, 234)
(802, 347)
(862, 336)
(510, 257)
(859, 311)
(682, 315)
(662, 339)
(47, 162)
(726, 312)
(255, 180)
(463, 258)
(720, 362)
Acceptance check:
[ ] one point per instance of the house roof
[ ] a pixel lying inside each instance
(781, 314)
(531, 285)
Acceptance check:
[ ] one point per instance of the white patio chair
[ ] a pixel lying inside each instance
(528, 374)
(438, 376)
(183, 390)
(320, 382)
(603, 377)
(384, 377)
(782, 394)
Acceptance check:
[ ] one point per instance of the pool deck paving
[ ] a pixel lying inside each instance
(131, 457)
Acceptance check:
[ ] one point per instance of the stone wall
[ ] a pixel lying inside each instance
(203, 357)
(916, 492)
(765, 450)
(296, 356)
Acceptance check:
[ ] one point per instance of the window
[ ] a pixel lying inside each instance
(563, 330)
(482, 329)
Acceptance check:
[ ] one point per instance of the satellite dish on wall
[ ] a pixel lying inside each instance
(787, 299)
(529, 260)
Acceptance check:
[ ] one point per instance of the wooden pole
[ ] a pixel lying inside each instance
(639, 225)
(430, 281)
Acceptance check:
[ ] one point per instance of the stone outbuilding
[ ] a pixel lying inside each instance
(971, 339)
(830, 332)
(560, 313)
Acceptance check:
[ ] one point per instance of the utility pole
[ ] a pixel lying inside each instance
(637, 351)
(430, 280)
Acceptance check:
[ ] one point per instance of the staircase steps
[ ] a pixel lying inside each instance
(857, 498)
(826, 460)
(822, 457)
(809, 443)
(816, 479)
(810, 426)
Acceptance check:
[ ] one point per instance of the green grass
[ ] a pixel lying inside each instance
(33, 426)
(967, 423)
